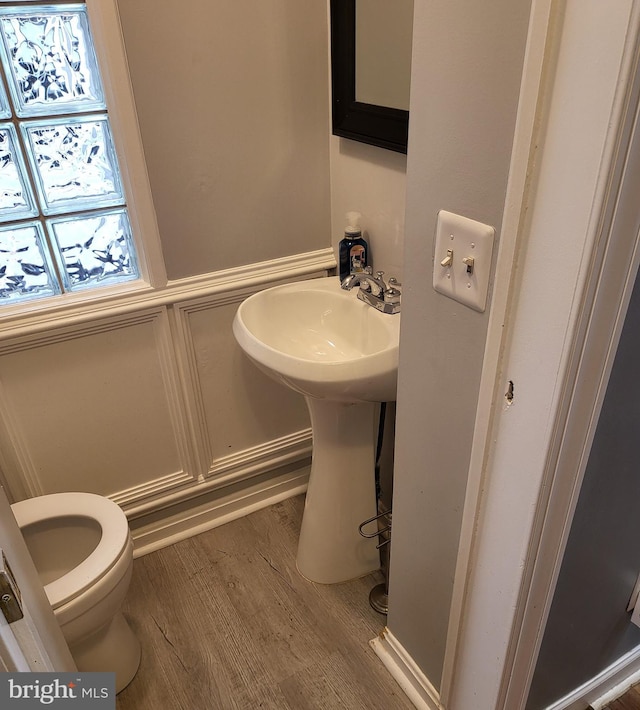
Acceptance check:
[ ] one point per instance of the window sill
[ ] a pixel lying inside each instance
(69, 307)
(75, 308)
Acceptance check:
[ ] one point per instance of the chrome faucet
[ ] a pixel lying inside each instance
(365, 278)
(374, 291)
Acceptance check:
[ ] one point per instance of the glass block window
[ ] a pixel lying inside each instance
(26, 270)
(64, 224)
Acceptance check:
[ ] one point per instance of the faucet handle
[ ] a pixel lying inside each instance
(379, 275)
(368, 270)
(392, 295)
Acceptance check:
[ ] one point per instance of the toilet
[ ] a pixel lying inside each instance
(82, 549)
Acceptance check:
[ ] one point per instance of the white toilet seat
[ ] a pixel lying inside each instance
(112, 545)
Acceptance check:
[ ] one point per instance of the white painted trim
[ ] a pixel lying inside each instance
(185, 350)
(608, 685)
(285, 267)
(146, 495)
(39, 316)
(542, 18)
(37, 635)
(258, 459)
(110, 51)
(22, 476)
(15, 456)
(186, 354)
(194, 402)
(235, 469)
(604, 301)
(203, 513)
(63, 333)
(174, 393)
(405, 671)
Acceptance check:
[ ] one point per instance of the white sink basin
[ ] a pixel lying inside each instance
(342, 354)
(321, 340)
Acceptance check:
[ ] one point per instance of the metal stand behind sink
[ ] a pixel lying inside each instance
(379, 595)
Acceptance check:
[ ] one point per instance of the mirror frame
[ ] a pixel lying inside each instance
(376, 125)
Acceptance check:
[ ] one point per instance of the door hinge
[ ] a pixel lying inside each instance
(10, 599)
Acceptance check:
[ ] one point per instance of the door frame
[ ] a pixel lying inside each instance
(35, 642)
(605, 302)
(518, 513)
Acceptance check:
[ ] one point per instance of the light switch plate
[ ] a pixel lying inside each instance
(461, 238)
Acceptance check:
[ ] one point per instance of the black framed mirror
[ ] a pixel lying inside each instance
(382, 126)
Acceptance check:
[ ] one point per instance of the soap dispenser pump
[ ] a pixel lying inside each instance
(353, 250)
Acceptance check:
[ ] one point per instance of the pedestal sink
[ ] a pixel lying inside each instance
(342, 354)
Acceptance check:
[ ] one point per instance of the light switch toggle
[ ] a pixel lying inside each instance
(464, 278)
(447, 262)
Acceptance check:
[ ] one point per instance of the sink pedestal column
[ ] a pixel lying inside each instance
(341, 493)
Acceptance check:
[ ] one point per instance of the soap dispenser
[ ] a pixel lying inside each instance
(353, 250)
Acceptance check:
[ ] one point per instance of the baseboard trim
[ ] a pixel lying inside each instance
(608, 685)
(172, 489)
(165, 526)
(272, 454)
(404, 670)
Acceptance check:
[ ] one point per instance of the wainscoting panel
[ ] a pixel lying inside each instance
(94, 407)
(238, 406)
(147, 399)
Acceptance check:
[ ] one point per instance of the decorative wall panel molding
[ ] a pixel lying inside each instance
(90, 407)
(146, 398)
(273, 454)
(19, 474)
(228, 398)
(293, 451)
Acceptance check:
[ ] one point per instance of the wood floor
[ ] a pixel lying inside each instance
(227, 622)
(629, 701)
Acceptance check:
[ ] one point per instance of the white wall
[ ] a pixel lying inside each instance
(232, 104)
(467, 64)
(371, 181)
